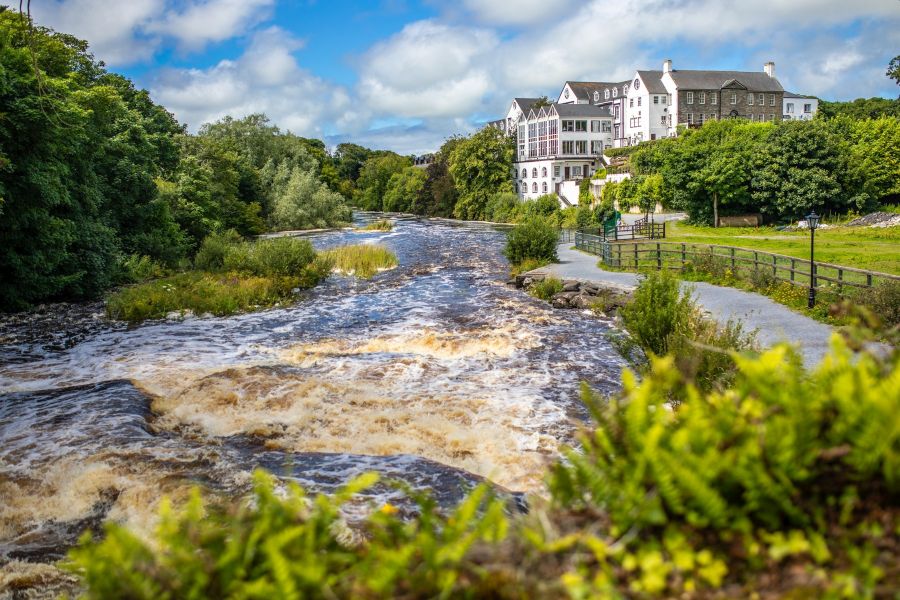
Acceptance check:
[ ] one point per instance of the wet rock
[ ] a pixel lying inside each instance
(583, 301)
(563, 299)
(56, 326)
(571, 286)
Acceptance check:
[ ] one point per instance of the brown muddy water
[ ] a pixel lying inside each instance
(435, 373)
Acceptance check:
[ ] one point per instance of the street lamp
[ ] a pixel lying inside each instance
(812, 220)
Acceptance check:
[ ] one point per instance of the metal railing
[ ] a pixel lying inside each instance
(739, 261)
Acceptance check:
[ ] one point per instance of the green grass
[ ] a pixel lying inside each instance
(546, 288)
(870, 248)
(361, 260)
(218, 294)
(380, 225)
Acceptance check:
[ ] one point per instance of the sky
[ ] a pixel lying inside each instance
(404, 75)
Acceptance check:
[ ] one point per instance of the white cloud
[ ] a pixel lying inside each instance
(205, 21)
(266, 79)
(115, 30)
(517, 12)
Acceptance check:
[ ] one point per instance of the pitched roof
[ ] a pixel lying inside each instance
(653, 81)
(793, 95)
(582, 110)
(525, 104)
(756, 81)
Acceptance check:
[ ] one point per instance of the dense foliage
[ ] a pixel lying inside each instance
(785, 484)
(535, 238)
(781, 170)
(95, 177)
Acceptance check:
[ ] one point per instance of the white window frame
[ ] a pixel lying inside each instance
(772, 100)
(734, 97)
(807, 108)
(712, 98)
(749, 99)
(702, 97)
(689, 97)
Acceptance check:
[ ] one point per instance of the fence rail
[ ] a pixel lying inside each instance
(739, 261)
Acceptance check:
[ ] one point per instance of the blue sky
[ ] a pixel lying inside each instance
(404, 74)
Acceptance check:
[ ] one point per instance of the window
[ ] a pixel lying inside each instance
(662, 120)
(596, 96)
(615, 92)
(576, 171)
(581, 147)
(568, 147)
(556, 170)
(790, 108)
(655, 99)
(700, 118)
(702, 97)
(534, 187)
(606, 94)
(807, 108)
(596, 147)
(580, 125)
(712, 117)
(543, 171)
(733, 97)
(631, 103)
(762, 99)
(690, 118)
(568, 125)
(595, 126)
(772, 100)
(524, 173)
(542, 138)
(772, 118)
(712, 98)
(544, 187)
(749, 99)
(517, 188)
(534, 172)
(605, 126)
(616, 111)
(652, 136)
(639, 100)
(689, 98)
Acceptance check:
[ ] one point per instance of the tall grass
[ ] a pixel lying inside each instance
(360, 260)
(380, 225)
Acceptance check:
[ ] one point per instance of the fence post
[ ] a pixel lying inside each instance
(635, 256)
(793, 267)
(683, 252)
(658, 258)
(869, 279)
(732, 259)
(840, 279)
(774, 266)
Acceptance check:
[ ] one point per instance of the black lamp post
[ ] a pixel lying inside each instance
(812, 220)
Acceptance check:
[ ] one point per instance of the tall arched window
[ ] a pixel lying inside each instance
(534, 172)
(524, 173)
(545, 187)
(534, 187)
(544, 172)
(606, 94)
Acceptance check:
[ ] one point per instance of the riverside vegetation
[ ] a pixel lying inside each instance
(785, 482)
(231, 275)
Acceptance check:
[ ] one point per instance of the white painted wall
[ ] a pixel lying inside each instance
(798, 113)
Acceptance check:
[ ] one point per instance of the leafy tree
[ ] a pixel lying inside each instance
(439, 194)
(861, 108)
(374, 177)
(403, 190)
(893, 70)
(481, 166)
(301, 201)
(874, 159)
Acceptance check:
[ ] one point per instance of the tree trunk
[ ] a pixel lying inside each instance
(715, 209)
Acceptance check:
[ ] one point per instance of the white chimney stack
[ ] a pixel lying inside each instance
(769, 68)
(667, 65)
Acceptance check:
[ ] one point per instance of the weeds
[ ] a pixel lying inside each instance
(546, 288)
(380, 225)
(360, 260)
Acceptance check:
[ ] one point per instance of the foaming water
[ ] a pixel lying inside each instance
(434, 372)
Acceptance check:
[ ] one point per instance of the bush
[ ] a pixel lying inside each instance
(658, 311)
(503, 207)
(534, 238)
(546, 288)
(542, 206)
(361, 260)
(380, 225)
(281, 256)
(884, 301)
(137, 268)
(211, 255)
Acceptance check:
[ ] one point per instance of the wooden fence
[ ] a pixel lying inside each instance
(738, 261)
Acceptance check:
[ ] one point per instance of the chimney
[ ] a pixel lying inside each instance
(769, 68)
(667, 65)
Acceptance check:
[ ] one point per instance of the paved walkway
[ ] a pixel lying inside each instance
(774, 322)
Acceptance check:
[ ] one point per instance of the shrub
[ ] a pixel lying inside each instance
(884, 301)
(546, 288)
(542, 206)
(211, 255)
(503, 207)
(526, 265)
(658, 311)
(380, 225)
(360, 260)
(137, 268)
(281, 256)
(535, 238)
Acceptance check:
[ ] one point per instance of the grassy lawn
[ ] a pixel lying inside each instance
(872, 248)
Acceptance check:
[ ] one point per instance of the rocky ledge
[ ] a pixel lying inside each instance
(592, 295)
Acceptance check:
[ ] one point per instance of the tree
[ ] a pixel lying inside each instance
(893, 70)
(403, 189)
(874, 160)
(439, 195)
(375, 176)
(861, 108)
(481, 166)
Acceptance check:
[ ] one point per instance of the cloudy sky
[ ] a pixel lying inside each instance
(404, 75)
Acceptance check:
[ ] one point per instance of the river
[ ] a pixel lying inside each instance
(436, 373)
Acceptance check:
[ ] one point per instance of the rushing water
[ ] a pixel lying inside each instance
(435, 372)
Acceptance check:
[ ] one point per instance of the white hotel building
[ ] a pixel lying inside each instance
(557, 146)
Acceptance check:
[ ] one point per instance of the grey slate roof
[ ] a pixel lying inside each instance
(582, 110)
(525, 104)
(801, 96)
(713, 80)
(653, 81)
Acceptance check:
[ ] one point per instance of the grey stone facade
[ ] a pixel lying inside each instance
(723, 108)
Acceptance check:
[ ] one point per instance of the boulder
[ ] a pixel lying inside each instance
(571, 286)
(582, 301)
(563, 300)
